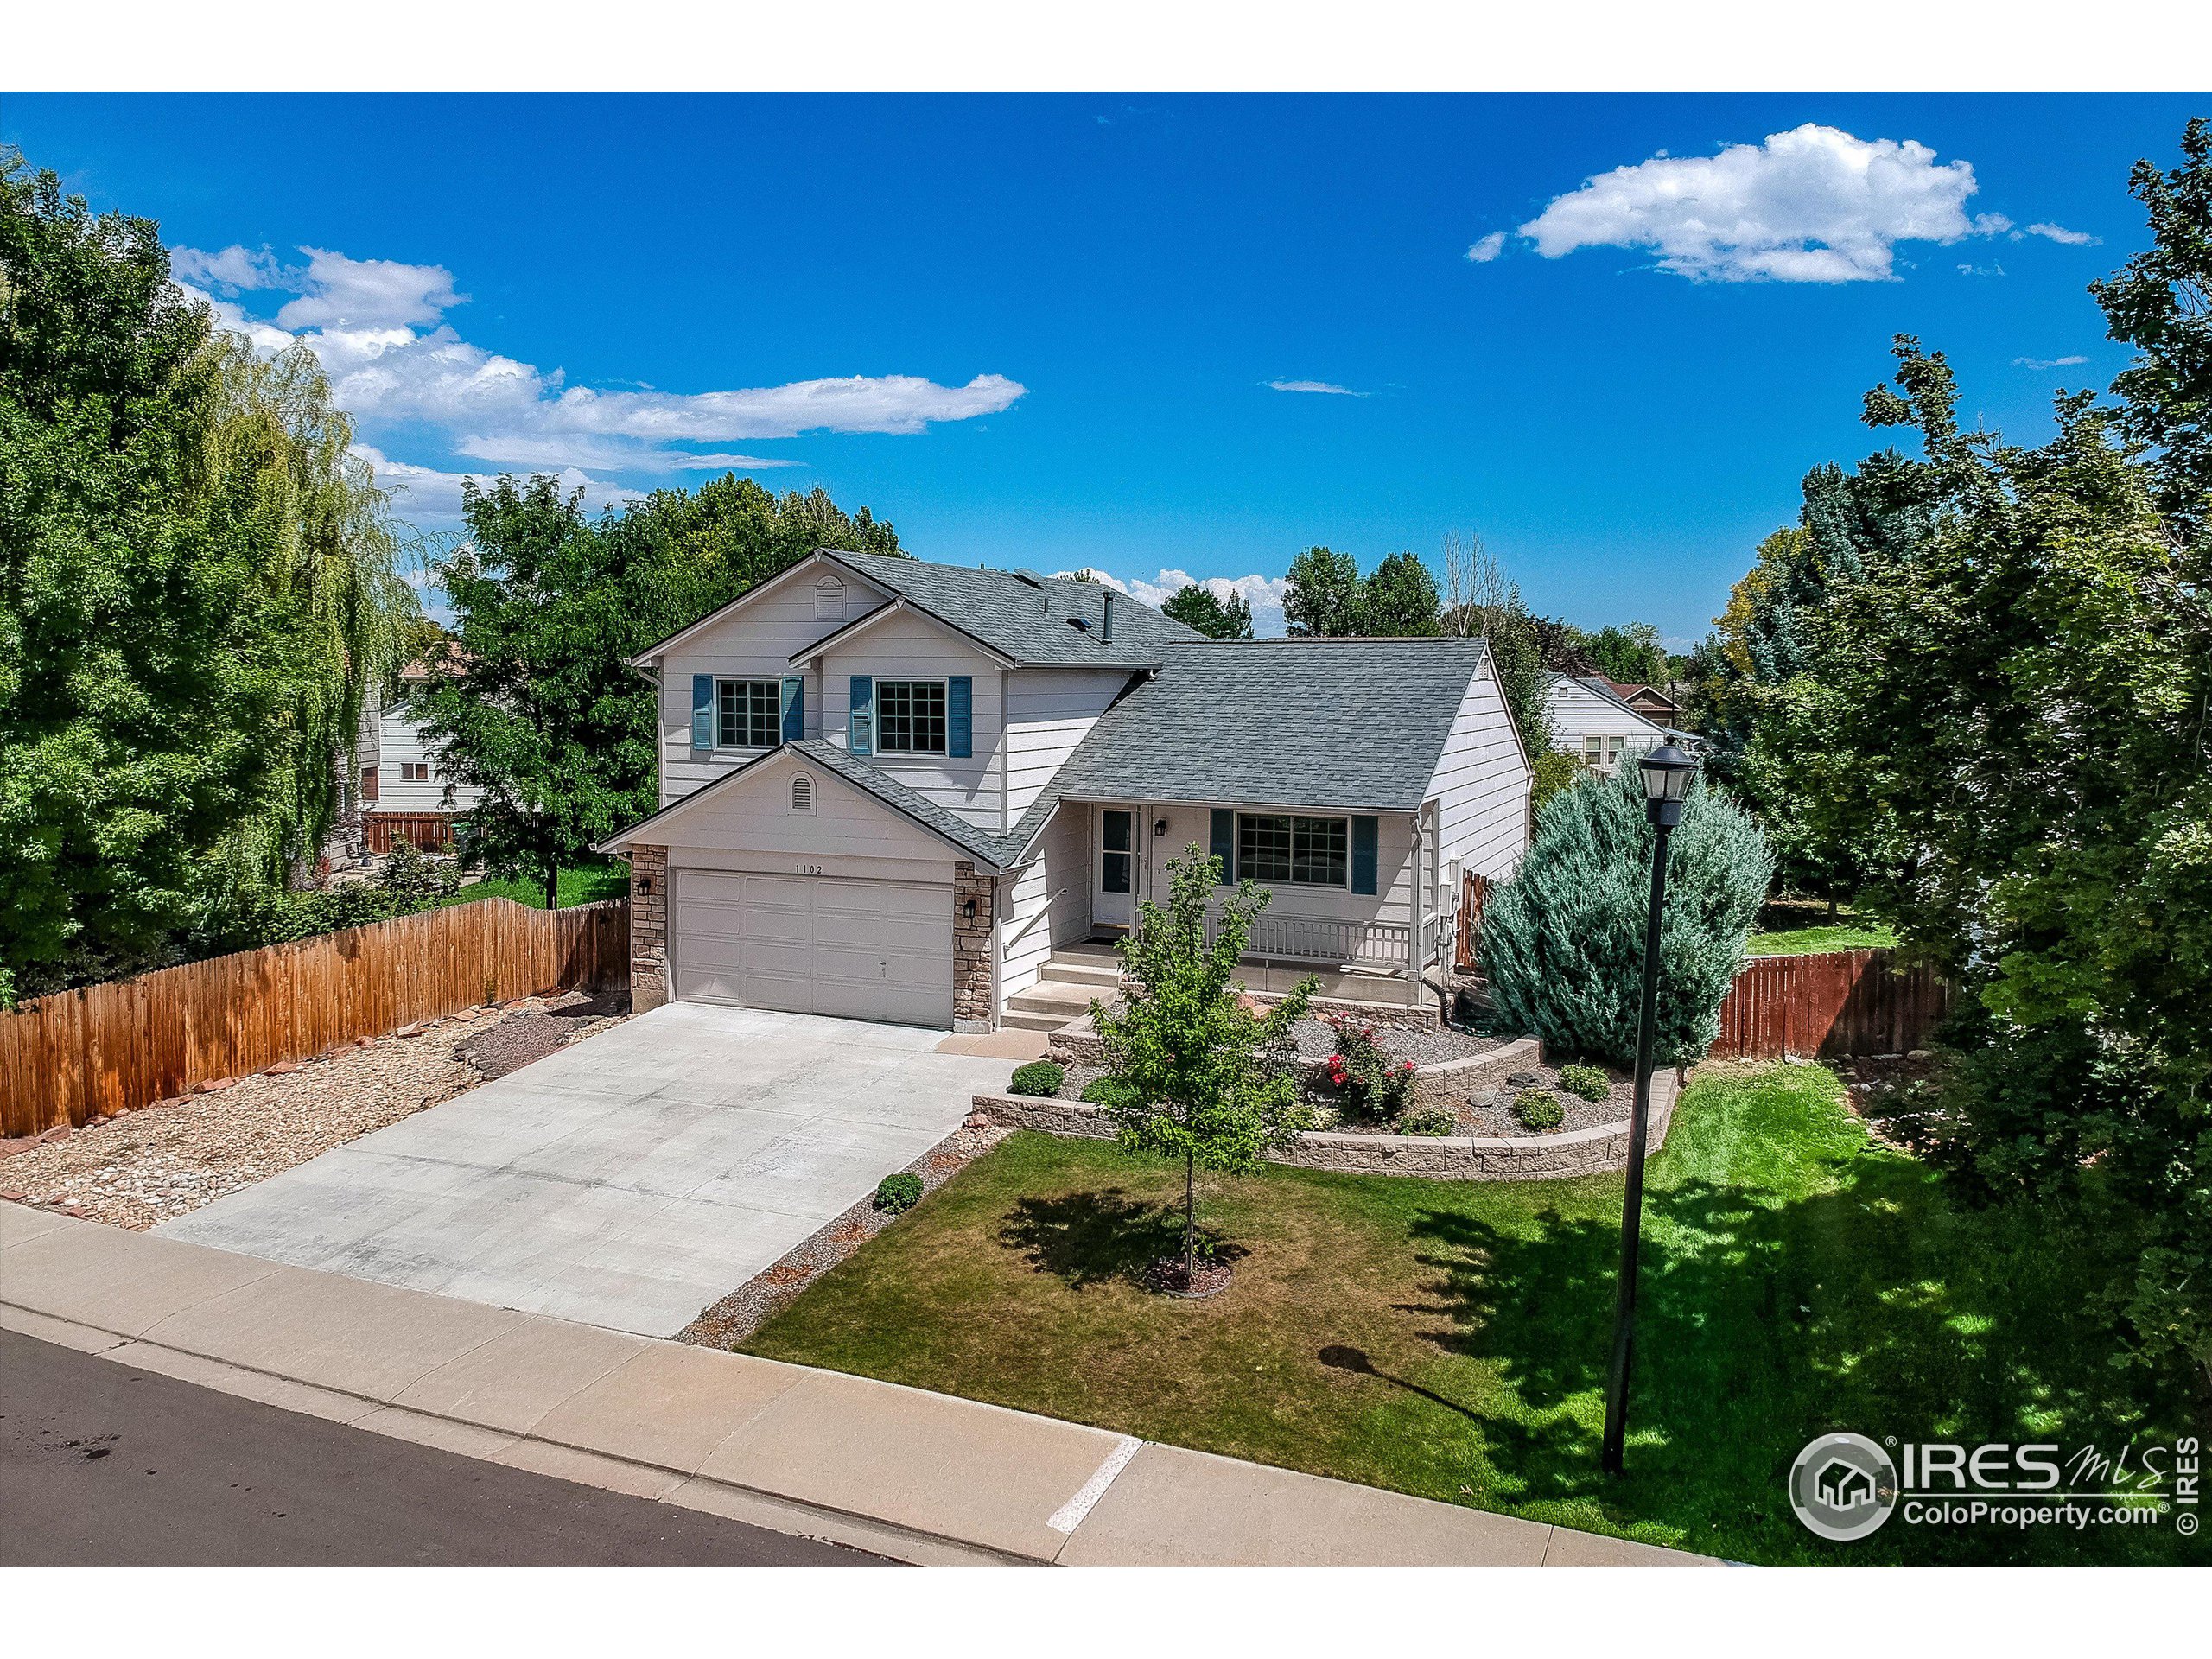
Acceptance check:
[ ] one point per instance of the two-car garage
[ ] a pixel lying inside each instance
(856, 947)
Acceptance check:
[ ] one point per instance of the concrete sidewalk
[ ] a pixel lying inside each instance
(919, 1477)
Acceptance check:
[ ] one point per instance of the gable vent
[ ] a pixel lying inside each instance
(802, 793)
(829, 600)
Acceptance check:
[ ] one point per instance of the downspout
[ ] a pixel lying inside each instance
(1420, 876)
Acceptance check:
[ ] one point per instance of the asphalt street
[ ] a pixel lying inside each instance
(104, 1464)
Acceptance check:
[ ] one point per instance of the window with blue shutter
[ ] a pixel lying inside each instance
(794, 707)
(959, 715)
(860, 731)
(1362, 855)
(1224, 843)
(703, 711)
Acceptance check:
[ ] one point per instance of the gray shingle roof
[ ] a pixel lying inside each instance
(1279, 722)
(1029, 625)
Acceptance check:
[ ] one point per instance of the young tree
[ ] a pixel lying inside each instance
(1202, 608)
(1204, 1078)
(1563, 941)
(1322, 597)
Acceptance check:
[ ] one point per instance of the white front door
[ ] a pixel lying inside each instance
(1114, 868)
(814, 944)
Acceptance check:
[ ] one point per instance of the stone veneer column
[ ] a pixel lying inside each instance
(972, 950)
(648, 928)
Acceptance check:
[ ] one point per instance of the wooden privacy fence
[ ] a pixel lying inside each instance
(379, 830)
(109, 1048)
(1839, 1004)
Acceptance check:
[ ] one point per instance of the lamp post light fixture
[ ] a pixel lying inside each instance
(1667, 774)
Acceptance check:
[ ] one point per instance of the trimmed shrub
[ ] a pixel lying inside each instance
(1038, 1078)
(896, 1194)
(1109, 1092)
(1428, 1119)
(1538, 1110)
(1587, 1081)
(1562, 942)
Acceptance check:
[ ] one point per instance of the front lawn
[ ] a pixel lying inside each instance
(1450, 1339)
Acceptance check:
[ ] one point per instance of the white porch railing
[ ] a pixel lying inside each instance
(1317, 939)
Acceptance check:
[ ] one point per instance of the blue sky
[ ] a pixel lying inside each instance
(1054, 331)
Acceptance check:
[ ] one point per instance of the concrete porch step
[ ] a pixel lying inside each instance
(1032, 1020)
(1081, 971)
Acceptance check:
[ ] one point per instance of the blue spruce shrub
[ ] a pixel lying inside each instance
(1562, 942)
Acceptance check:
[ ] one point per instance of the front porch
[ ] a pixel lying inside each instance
(1076, 973)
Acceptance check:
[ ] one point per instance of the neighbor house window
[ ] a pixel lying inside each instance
(1603, 753)
(750, 714)
(909, 716)
(1311, 852)
(415, 772)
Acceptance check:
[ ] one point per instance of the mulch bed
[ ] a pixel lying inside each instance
(754, 1303)
(1316, 1041)
(1166, 1276)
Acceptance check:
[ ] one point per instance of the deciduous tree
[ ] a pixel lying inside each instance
(1204, 1076)
(1211, 614)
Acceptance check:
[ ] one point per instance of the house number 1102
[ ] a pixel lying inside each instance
(809, 869)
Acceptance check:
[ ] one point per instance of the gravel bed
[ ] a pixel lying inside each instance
(168, 1159)
(1489, 1109)
(535, 1030)
(754, 1303)
(1317, 1041)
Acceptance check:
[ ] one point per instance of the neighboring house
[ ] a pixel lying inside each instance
(1590, 717)
(397, 789)
(1652, 702)
(908, 792)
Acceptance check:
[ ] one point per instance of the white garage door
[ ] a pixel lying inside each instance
(814, 944)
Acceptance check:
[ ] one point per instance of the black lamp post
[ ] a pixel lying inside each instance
(1667, 774)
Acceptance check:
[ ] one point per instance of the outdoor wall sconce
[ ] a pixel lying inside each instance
(645, 884)
(968, 910)
(1159, 827)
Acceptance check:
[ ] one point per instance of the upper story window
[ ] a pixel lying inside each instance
(829, 600)
(909, 716)
(415, 772)
(1311, 852)
(748, 713)
(1602, 753)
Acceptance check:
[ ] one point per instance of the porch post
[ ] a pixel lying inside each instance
(1416, 878)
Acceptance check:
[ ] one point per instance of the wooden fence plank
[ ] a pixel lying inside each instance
(78, 1055)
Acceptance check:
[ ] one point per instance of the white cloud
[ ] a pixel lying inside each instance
(2060, 233)
(1263, 594)
(1813, 204)
(1993, 269)
(424, 493)
(1330, 387)
(377, 326)
(1488, 248)
(2047, 362)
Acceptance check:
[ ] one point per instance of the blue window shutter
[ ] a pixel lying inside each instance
(860, 726)
(794, 707)
(1224, 843)
(1362, 855)
(959, 716)
(703, 711)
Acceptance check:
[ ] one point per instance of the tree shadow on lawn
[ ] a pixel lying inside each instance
(1763, 1322)
(1103, 1237)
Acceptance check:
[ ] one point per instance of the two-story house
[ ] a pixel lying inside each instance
(1596, 719)
(898, 790)
(393, 788)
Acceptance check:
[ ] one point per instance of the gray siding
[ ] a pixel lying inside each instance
(1049, 711)
(1481, 786)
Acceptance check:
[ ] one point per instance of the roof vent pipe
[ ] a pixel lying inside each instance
(1106, 628)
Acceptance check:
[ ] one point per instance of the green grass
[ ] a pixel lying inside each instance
(1832, 936)
(1450, 1339)
(584, 885)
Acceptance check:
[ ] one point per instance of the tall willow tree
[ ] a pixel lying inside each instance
(196, 584)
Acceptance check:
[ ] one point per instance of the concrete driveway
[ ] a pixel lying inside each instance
(628, 1180)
